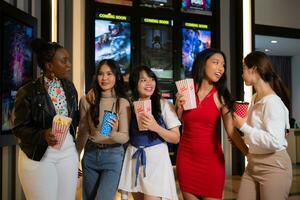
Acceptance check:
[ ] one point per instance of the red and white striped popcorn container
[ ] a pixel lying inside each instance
(142, 107)
(186, 87)
(60, 128)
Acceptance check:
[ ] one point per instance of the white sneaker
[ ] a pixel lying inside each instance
(124, 195)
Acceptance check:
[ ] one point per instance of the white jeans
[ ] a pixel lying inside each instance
(52, 178)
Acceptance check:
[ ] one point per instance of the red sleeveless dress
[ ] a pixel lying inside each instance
(200, 159)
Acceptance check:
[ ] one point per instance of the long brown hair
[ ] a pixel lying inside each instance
(118, 88)
(268, 74)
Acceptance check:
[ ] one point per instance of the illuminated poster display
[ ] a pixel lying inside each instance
(156, 46)
(17, 67)
(157, 3)
(117, 2)
(196, 6)
(112, 40)
(195, 38)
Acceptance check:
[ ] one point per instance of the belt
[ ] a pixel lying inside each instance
(103, 146)
(107, 146)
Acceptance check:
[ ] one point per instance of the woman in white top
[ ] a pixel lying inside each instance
(268, 174)
(147, 170)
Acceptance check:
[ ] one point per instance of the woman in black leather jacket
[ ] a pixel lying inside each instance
(45, 171)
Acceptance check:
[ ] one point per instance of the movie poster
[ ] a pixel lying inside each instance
(157, 3)
(193, 42)
(17, 66)
(196, 6)
(117, 2)
(112, 41)
(157, 50)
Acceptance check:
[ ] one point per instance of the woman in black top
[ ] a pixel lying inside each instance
(45, 170)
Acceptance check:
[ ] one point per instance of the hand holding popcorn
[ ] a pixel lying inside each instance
(60, 128)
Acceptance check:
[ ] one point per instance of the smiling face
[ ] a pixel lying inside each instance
(214, 67)
(146, 85)
(60, 64)
(106, 78)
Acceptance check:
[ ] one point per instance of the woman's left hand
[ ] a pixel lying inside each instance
(149, 122)
(238, 122)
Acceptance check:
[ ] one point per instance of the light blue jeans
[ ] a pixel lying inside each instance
(101, 172)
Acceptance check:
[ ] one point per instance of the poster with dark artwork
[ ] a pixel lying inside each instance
(157, 49)
(16, 65)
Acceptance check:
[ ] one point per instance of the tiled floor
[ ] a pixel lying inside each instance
(232, 185)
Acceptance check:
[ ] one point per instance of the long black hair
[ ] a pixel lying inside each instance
(45, 51)
(266, 71)
(155, 97)
(198, 74)
(118, 88)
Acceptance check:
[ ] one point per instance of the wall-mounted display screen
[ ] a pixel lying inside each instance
(196, 6)
(156, 46)
(17, 66)
(157, 3)
(117, 2)
(112, 40)
(195, 38)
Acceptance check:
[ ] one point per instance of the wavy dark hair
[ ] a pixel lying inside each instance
(266, 71)
(156, 96)
(198, 74)
(118, 88)
(45, 51)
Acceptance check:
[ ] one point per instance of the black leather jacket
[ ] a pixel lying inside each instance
(34, 112)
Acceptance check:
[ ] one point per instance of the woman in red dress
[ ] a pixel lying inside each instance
(200, 159)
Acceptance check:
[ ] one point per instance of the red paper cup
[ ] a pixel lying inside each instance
(241, 108)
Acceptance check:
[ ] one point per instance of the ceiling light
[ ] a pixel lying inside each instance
(274, 41)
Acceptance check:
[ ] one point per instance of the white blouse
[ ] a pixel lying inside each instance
(266, 125)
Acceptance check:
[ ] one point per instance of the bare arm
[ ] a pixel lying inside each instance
(232, 132)
(179, 105)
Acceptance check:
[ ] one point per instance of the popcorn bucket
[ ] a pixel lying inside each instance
(186, 87)
(142, 107)
(60, 128)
